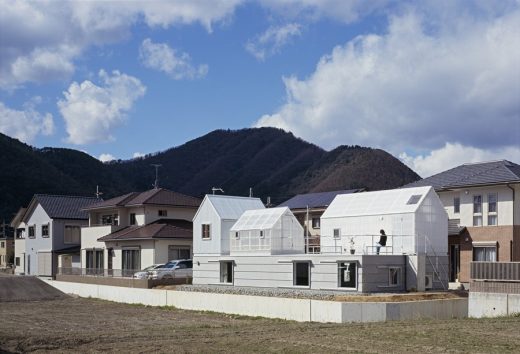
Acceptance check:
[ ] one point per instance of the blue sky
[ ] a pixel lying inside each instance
(435, 83)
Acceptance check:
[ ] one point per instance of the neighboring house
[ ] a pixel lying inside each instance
(308, 209)
(53, 224)
(240, 244)
(19, 242)
(137, 230)
(6, 245)
(483, 205)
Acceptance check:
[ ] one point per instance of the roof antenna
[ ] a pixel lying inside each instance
(156, 183)
(214, 189)
(98, 193)
(268, 204)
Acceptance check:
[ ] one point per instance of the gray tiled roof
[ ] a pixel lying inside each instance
(314, 200)
(65, 206)
(158, 196)
(161, 229)
(473, 174)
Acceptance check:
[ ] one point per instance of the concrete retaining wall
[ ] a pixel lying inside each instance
(493, 304)
(302, 310)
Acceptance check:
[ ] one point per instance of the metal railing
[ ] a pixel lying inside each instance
(367, 244)
(495, 271)
(97, 272)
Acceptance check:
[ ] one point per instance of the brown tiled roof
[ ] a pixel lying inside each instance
(161, 229)
(159, 196)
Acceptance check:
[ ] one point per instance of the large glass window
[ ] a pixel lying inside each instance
(176, 252)
(484, 254)
(110, 219)
(301, 273)
(131, 259)
(94, 261)
(226, 272)
(347, 274)
(72, 234)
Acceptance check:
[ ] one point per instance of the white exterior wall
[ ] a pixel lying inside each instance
(208, 215)
(36, 245)
(504, 205)
(147, 248)
(19, 251)
(151, 213)
(89, 240)
(432, 222)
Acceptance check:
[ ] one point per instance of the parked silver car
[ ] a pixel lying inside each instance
(145, 273)
(181, 268)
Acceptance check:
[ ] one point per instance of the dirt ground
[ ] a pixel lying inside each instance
(88, 325)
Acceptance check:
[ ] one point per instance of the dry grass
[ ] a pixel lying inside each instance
(87, 325)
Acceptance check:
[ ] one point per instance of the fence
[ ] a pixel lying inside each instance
(115, 273)
(495, 271)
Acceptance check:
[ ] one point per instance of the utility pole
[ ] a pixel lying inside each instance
(250, 192)
(98, 193)
(307, 230)
(156, 183)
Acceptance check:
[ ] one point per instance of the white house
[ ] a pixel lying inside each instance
(19, 242)
(53, 228)
(136, 230)
(267, 250)
(267, 231)
(413, 219)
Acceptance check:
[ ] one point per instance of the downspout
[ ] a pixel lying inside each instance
(512, 248)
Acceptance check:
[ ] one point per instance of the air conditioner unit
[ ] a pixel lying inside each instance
(428, 281)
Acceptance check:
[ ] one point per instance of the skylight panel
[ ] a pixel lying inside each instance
(414, 199)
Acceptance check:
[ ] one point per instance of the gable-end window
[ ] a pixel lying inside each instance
(394, 276)
(72, 234)
(237, 235)
(456, 205)
(316, 223)
(45, 230)
(261, 233)
(31, 231)
(20, 233)
(206, 231)
(336, 233)
(301, 273)
(163, 213)
(347, 274)
(414, 199)
(226, 272)
(133, 219)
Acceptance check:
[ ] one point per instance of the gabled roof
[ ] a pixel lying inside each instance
(159, 196)
(230, 207)
(160, 229)
(17, 219)
(259, 219)
(315, 200)
(392, 201)
(473, 174)
(61, 206)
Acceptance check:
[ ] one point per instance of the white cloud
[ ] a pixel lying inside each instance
(25, 124)
(413, 88)
(106, 157)
(160, 56)
(452, 155)
(41, 40)
(138, 155)
(92, 112)
(272, 40)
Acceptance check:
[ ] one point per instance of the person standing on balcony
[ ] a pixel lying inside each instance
(382, 241)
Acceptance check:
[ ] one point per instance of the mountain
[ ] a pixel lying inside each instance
(272, 162)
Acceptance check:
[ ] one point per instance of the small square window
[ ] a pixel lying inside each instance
(45, 230)
(301, 273)
(477, 220)
(336, 233)
(206, 231)
(163, 213)
(316, 223)
(492, 220)
(237, 235)
(414, 199)
(261, 233)
(456, 205)
(31, 231)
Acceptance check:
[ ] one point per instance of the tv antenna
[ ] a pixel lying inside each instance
(215, 189)
(98, 193)
(156, 183)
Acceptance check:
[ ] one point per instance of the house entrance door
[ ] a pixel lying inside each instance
(454, 262)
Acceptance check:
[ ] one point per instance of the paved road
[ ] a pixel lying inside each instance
(27, 288)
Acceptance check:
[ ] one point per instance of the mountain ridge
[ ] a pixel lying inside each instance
(273, 162)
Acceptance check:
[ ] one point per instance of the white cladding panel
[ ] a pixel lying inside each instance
(206, 215)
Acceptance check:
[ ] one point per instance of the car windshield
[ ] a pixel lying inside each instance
(154, 266)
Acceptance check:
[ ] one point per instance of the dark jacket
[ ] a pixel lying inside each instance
(382, 240)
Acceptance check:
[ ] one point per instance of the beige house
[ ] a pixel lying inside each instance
(136, 230)
(308, 209)
(483, 205)
(19, 242)
(6, 245)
